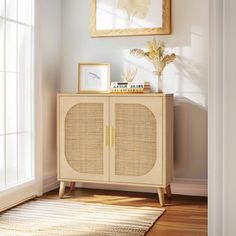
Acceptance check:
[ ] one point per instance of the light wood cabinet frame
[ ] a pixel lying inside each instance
(160, 107)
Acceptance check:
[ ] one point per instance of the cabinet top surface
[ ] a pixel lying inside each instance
(117, 94)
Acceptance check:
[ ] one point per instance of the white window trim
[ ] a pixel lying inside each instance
(38, 104)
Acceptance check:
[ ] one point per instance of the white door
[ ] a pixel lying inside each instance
(17, 157)
(136, 131)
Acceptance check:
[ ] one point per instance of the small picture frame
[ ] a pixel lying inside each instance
(93, 77)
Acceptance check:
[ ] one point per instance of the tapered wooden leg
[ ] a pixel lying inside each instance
(168, 191)
(62, 189)
(72, 186)
(161, 196)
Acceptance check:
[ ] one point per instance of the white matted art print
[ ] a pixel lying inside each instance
(130, 17)
(93, 77)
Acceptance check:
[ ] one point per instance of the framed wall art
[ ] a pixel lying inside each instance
(93, 77)
(130, 17)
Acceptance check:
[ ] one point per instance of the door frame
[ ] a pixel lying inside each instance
(221, 120)
(215, 119)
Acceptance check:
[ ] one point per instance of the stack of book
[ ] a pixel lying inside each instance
(130, 87)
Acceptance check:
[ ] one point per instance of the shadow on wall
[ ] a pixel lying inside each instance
(190, 139)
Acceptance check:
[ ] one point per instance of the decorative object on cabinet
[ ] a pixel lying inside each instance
(116, 139)
(157, 56)
(130, 17)
(130, 87)
(93, 77)
(129, 74)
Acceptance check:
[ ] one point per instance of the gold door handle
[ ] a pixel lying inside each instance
(112, 136)
(106, 136)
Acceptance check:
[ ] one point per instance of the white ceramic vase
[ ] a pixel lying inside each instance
(159, 83)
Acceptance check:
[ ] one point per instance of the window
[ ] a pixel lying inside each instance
(16, 92)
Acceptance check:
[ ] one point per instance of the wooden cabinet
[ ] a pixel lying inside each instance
(119, 139)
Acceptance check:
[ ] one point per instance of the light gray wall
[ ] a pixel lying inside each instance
(187, 77)
(50, 57)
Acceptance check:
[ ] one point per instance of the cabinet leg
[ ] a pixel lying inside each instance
(62, 189)
(72, 186)
(168, 191)
(161, 196)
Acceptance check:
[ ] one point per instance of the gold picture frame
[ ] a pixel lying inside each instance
(96, 31)
(93, 77)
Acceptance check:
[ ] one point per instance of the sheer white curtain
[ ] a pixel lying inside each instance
(16, 93)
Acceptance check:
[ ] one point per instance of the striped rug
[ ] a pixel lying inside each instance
(64, 218)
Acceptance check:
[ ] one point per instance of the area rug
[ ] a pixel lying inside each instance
(64, 218)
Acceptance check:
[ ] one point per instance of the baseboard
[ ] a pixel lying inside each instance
(50, 183)
(191, 187)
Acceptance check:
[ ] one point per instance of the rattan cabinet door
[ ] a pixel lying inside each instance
(136, 140)
(82, 124)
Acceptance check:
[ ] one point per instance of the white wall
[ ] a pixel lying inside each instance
(50, 56)
(187, 77)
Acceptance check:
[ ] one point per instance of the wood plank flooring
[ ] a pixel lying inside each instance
(184, 216)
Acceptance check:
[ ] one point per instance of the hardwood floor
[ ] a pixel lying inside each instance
(184, 216)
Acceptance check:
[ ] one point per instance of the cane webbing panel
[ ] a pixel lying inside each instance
(84, 138)
(135, 140)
